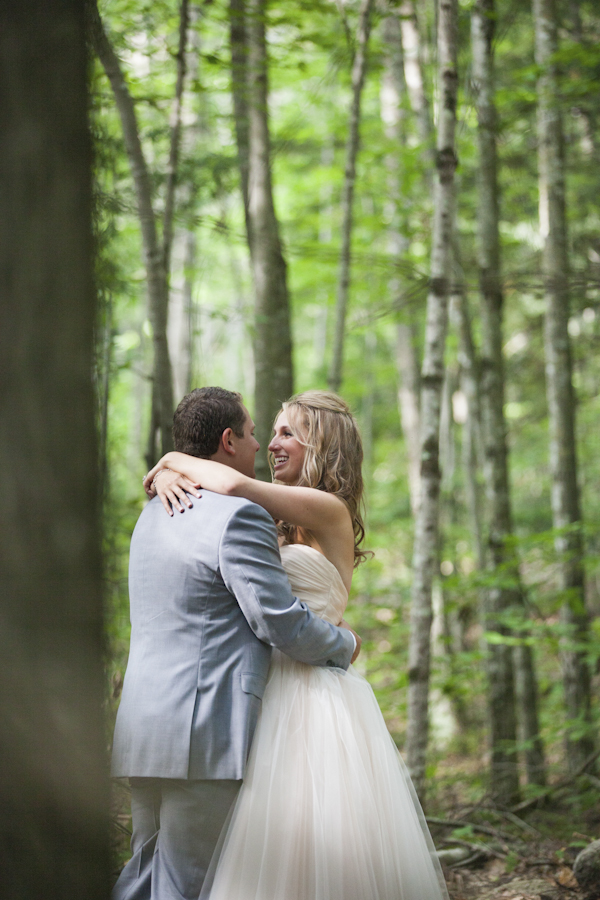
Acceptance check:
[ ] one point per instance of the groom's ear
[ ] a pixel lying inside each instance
(226, 443)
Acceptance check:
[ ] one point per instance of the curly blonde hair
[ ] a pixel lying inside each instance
(323, 423)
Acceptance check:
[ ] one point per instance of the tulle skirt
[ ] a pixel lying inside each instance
(327, 810)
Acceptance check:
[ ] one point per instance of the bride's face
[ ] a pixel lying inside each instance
(287, 450)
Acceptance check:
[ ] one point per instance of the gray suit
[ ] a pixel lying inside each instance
(209, 598)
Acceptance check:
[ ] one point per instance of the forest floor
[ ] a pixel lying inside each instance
(541, 874)
(534, 865)
(524, 858)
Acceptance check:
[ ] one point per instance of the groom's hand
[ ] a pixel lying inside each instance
(344, 624)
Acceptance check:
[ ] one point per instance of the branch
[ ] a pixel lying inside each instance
(484, 829)
(553, 788)
(347, 32)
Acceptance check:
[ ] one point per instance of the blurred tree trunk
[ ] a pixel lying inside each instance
(359, 67)
(158, 293)
(587, 110)
(103, 395)
(414, 68)
(239, 91)
(409, 377)
(566, 511)
(175, 138)
(54, 785)
(469, 385)
(503, 663)
(394, 115)
(181, 268)
(425, 554)
(273, 340)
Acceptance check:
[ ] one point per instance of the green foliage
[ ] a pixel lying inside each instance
(309, 83)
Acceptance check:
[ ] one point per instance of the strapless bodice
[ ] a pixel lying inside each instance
(315, 580)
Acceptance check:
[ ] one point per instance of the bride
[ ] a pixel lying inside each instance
(327, 810)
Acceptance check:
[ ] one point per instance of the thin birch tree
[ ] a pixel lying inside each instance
(359, 68)
(566, 511)
(425, 555)
(54, 786)
(394, 115)
(460, 316)
(156, 275)
(414, 72)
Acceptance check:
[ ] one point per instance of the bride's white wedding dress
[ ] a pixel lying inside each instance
(327, 810)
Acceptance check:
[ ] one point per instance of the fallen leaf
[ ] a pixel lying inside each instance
(566, 878)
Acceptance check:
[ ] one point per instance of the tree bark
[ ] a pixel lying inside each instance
(273, 340)
(54, 785)
(158, 294)
(103, 398)
(182, 257)
(426, 531)
(239, 91)
(359, 67)
(470, 377)
(566, 511)
(393, 113)
(501, 558)
(409, 377)
(175, 141)
(413, 68)
(469, 385)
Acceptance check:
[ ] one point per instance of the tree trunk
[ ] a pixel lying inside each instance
(182, 257)
(393, 113)
(426, 530)
(469, 385)
(239, 91)
(175, 142)
(409, 377)
(501, 557)
(566, 512)
(359, 67)
(273, 340)
(103, 393)
(158, 295)
(413, 68)
(54, 785)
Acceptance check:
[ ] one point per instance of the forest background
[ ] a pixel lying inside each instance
(354, 113)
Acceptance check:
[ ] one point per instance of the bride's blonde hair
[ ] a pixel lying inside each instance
(323, 423)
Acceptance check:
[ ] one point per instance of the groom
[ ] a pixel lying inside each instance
(209, 598)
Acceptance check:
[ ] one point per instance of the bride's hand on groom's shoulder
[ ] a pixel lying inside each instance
(172, 488)
(344, 624)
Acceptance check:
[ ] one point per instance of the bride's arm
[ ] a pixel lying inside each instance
(308, 508)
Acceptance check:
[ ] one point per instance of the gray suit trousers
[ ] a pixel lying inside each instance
(176, 827)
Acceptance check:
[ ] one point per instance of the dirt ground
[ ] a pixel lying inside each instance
(543, 871)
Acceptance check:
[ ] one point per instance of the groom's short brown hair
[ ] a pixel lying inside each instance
(202, 417)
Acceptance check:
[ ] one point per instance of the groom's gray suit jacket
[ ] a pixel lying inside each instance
(209, 598)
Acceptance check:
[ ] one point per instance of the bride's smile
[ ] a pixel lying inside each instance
(288, 452)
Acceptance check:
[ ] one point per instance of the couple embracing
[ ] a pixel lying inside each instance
(260, 764)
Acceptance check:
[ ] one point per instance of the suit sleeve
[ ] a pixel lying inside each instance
(251, 568)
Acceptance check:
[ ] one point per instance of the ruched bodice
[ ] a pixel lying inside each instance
(315, 581)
